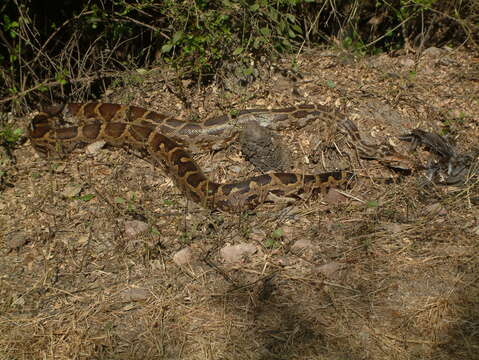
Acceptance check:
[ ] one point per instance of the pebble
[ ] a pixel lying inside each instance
(183, 257)
(236, 253)
(135, 294)
(93, 148)
(302, 244)
(71, 191)
(330, 268)
(135, 227)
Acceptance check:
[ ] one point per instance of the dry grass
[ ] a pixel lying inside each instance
(392, 281)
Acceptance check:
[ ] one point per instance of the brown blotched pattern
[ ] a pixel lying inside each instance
(160, 138)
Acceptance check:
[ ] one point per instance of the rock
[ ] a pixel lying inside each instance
(135, 294)
(93, 148)
(83, 239)
(433, 52)
(71, 191)
(394, 228)
(406, 62)
(135, 227)
(302, 244)
(183, 257)
(236, 253)
(334, 197)
(436, 209)
(330, 268)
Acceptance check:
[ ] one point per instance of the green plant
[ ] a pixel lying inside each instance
(10, 135)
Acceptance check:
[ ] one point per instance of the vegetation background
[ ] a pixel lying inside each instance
(74, 49)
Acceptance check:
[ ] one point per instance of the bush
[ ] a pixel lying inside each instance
(74, 48)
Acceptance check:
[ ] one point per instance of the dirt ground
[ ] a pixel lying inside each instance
(103, 258)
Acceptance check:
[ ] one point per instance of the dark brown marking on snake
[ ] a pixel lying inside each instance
(74, 109)
(287, 178)
(175, 123)
(249, 111)
(306, 107)
(219, 120)
(114, 130)
(261, 180)
(136, 112)
(278, 192)
(53, 110)
(156, 117)
(240, 187)
(141, 133)
(65, 133)
(89, 110)
(108, 111)
(308, 179)
(39, 126)
(285, 110)
(195, 179)
(301, 114)
(91, 131)
(185, 164)
(156, 141)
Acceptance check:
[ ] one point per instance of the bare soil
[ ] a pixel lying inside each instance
(382, 272)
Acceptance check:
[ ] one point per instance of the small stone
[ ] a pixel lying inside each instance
(302, 244)
(433, 52)
(71, 191)
(183, 257)
(406, 62)
(394, 228)
(330, 268)
(436, 209)
(236, 253)
(334, 197)
(135, 227)
(83, 239)
(135, 294)
(60, 168)
(235, 169)
(93, 148)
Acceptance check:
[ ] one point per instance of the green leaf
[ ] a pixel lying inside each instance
(291, 17)
(254, 7)
(166, 48)
(248, 71)
(86, 197)
(372, 204)
(297, 28)
(120, 200)
(270, 243)
(330, 84)
(177, 37)
(238, 51)
(265, 31)
(277, 234)
(154, 231)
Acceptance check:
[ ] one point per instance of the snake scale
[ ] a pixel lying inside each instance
(162, 140)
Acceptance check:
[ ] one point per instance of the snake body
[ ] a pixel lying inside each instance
(161, 139)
